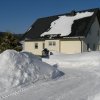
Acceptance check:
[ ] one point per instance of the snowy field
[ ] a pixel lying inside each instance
(65, 77)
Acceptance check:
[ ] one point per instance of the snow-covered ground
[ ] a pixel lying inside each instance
(80, 81)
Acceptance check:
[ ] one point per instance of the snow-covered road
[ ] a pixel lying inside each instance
(76, 84)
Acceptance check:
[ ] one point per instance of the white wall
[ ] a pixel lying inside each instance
(64, 46)
(30, 47)
(52, 47)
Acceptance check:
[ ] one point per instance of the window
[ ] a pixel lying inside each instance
(52, 43)
(36, 45)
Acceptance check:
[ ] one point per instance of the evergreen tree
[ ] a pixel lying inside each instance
(8, 41)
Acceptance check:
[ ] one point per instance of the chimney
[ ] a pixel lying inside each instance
(73, 12)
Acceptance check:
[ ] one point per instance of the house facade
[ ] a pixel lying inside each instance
(69, 46)
(81, 35)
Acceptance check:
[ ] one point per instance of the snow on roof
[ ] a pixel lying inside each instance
(29, 29)
(64, 23)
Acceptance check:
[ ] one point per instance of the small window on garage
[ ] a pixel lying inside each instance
(36, 45)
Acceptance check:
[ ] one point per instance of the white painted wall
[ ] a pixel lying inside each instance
(30, 47)
(52, 47)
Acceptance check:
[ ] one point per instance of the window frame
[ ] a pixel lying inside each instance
(36, 45)
(52, 43)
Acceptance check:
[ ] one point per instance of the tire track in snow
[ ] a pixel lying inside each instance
(69, 94)
(15, 93)
(45, 85)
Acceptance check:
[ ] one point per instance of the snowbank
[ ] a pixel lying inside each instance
(85, 66)
(64, 23)
(74, 60)
(21, 68)
(97, 97)
(79, 83)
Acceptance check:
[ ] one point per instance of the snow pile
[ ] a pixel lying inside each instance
(81, 81)
(64, 23)
(85, 67)
(75, 60)
(22, 68)
(96, 97)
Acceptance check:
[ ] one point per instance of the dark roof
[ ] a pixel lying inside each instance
(79, 28)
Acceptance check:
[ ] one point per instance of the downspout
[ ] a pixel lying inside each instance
(59, 45)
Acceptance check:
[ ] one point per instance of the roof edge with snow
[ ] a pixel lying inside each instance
(79, 26)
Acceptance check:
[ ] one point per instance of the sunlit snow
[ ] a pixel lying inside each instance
(64, 23)
(18, 69)
(80, 81)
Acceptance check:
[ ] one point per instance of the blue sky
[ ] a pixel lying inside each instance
(18, 15)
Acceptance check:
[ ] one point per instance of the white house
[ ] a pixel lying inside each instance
(69, 33)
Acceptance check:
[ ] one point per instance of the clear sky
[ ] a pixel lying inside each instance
(18, 15)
